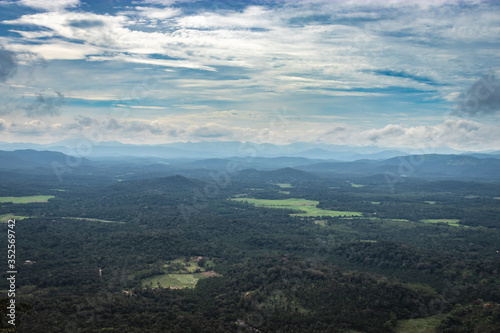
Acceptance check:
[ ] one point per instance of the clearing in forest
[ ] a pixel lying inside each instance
(6, 217)
(27, 199)
(420, 325)
(308, 208)
(179, 274)
(452, 222)
(92, 219)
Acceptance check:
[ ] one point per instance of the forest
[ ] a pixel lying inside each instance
(422, 254)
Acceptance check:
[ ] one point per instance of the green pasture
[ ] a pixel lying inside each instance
(92, 219)
(6, 217)
(182, 276)
(28, 199)
(172, 280)
(307, 207)
(421, 325)
(322, 223)
(452, 222)
(284, 185)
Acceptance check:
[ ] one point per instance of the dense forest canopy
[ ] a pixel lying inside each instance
(141, 247)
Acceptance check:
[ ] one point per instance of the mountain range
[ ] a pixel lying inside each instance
(426, 166)
(225, 149)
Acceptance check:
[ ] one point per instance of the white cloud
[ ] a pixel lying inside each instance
(156, 62)
(52, 5)
(459, 134)
(157, 13)
(271, 55)
(57, 49)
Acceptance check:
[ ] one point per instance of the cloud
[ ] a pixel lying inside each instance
(85, 24)
(344, 58)
(482, 98)
(156, 62)
(210, 130)
(388, 131)
(157, 13)
(44, 105)
(57, 49)
(84, 121)
(50, 5)
(39, 104)
(459, 134)
(8, 64)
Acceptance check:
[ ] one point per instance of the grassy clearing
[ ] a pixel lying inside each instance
(496, 198)
(180, 274)
(91, 219)
(28, 199)
(452, 222)
(284, 185)
(307, 207)
(356, 185)
(320, 222)
(172, 280)
(430, 202)
(284, 192)
(6, 217)
(421, 325)
(375, 202)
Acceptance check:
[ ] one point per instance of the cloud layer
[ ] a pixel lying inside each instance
(353, 72)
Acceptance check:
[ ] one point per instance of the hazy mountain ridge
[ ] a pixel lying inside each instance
(227, 149)
(432, 166)
(30, 158)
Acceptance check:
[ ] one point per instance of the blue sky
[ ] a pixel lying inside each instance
(387, 73)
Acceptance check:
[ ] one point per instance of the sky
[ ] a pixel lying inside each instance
(361, 73)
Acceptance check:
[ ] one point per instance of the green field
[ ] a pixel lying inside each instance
(421, 325)
(6, 217)
(91, 219)
(29, 199)
(430, 202)
(283, 185)
(307, 207)
(321, 222)
(356, 185)
(452, 222)
(180, 274)
(172, 280)
(375, 202)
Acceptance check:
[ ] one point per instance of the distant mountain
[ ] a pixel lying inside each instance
(378, 156)
(211, 164)
(225, 149)
(433, 166)
(31, 159)
(479, 155)
(317, 153)
(285, 175)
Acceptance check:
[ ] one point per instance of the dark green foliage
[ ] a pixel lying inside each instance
(277, 273)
